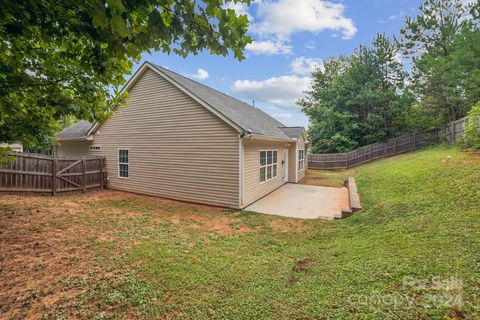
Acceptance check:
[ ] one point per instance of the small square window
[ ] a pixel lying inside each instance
(263, 158)
(262, 174)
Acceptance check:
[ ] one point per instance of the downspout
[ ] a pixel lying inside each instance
(240, 169)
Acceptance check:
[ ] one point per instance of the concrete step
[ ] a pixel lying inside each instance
(353, 199)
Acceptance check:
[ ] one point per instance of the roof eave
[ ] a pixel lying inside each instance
(254, 136)
(85, 138)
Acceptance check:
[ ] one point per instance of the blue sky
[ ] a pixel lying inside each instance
(290, 37)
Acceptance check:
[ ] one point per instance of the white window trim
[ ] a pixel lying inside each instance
(267, 165)
(95, 145)
(127, 163)
(303, 160)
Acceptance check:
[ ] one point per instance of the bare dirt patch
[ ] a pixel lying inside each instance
(36, 254)
(302, 265)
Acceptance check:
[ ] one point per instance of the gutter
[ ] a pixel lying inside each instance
(86, 138)
(253, 136)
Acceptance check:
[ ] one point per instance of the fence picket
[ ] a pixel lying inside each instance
(40, 173)
(378, 150)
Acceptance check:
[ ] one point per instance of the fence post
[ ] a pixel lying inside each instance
(414, 141)
(453, 131)
(54, 176)
(370, 152)
(21, 170)
(395, 145)
(101, 172)
(438, 136)
(84, 173)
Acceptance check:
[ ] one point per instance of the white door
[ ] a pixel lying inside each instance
(285, 165)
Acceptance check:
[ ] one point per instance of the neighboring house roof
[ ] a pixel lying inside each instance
(246, 117)
(76, 131)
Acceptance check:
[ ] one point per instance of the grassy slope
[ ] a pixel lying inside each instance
(421, 222)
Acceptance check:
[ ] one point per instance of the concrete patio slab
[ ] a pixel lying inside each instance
(303, 201)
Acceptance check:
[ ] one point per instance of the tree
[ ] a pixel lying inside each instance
(471, 140)
(378, 86)
(465, 63)
(430, 40)
(357, 100)
(69, 58)
(331, 125)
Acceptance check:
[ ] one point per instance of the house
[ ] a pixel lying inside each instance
(14, 147)
(179, 139)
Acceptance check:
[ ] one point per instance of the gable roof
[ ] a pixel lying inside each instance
(243, 116)
(78, 130)
(247, 117)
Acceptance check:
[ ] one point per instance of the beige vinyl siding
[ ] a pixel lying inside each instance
(73, 148)
(301, 145)
(292, 163)
(294, 175)
(253, 188)
(177, 148)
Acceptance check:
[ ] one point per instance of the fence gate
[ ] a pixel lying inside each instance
(40, 173)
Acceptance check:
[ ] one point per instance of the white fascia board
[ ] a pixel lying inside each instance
(269, 138)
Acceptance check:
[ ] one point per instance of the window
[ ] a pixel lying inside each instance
(123, 163)
(95, 147)
(268, 165)
(301, 159)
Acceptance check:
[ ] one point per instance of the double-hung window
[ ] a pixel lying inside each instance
(301, 159)
(123, 163)
(268, 165)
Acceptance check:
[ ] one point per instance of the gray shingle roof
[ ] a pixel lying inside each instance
(242, 114)
(77, 130)
(293, 132)
(245, 116)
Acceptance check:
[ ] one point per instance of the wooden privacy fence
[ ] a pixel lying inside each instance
(451, 133)
(41, 173)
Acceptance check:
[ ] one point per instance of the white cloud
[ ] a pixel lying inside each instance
(239, 8)
(282, 116)
(201, 74)
(269, 47)
(401, 14)
(282, 18)
(310, 45)
(305, 66)
(282, 92)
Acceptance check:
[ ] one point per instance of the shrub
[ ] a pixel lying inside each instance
(472, 129)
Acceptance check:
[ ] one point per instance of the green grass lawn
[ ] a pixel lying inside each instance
(413, 252)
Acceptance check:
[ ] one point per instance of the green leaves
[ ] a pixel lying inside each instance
(472, 129)
(60, 60)
(356, 100)
(117, 5)
(98, 17)
(119, 26)
(439, 75)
